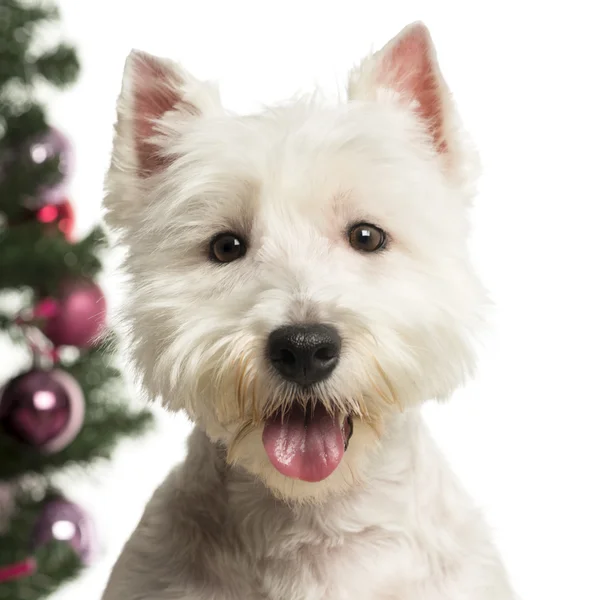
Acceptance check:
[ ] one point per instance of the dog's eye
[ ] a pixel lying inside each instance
(227, 247)
(366, 237)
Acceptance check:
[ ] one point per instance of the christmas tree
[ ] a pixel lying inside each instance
(67, 406)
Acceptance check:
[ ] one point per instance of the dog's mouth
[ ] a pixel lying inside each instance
(307, 443)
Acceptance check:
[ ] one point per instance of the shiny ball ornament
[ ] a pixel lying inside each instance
(42, 409)
(76, 318)
(64, 521)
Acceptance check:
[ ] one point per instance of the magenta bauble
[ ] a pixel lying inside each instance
(77, 317)
(43, 409)
(64, 521)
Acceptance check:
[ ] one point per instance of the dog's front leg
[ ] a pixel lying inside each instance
(176, 553)
(135, 576)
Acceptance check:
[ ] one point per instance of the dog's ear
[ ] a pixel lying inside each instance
(406, 71)
(158, 98)
(154, 88)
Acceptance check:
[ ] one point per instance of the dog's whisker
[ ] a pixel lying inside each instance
(249, 382)
(375, 426)
(379, 392)
(387, 382)
(255, 411)
(353, 475)
(238, 373)
(359, 406)
(242, 433)
(240, 391)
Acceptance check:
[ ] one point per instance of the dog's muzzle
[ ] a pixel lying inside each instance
(306, 440)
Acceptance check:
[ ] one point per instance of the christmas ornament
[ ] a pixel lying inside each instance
(66, 522)
(43, 409)
(51, 145)
(17, 570)
(60, 216)
(76, 318)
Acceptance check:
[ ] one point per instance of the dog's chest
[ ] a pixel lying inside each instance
(364, 565)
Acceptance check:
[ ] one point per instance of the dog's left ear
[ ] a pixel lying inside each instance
(406, 71)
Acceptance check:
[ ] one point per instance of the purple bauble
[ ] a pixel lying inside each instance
(43, 409)
(66, 522)
(51, 145)
(78, 316)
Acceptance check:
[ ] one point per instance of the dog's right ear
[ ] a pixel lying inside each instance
(158, 98)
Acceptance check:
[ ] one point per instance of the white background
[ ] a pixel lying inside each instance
(523, 436)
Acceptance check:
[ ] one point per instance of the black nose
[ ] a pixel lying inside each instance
(305, 354)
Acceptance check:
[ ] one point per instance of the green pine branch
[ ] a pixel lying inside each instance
(6, 322)
(15, 16)
(21, 184)
(58, 67)
(34, 258)
(18, 24)
(21, 122)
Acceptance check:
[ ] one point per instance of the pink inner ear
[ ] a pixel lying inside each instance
(408, 68)
(154, 94)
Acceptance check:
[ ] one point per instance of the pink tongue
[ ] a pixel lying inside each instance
(309, 451)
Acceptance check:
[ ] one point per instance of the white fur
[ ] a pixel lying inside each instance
(391, 522)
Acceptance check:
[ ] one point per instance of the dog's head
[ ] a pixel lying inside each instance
(299, 275)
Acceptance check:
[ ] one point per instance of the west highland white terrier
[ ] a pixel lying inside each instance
(299, 286)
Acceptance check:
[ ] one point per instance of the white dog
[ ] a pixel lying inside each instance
(300, 285)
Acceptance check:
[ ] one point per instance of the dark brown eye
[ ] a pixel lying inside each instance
(227, 247)
(366, 238)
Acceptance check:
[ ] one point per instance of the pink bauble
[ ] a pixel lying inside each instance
(43, 409)
(78, 316)
(63, 521)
